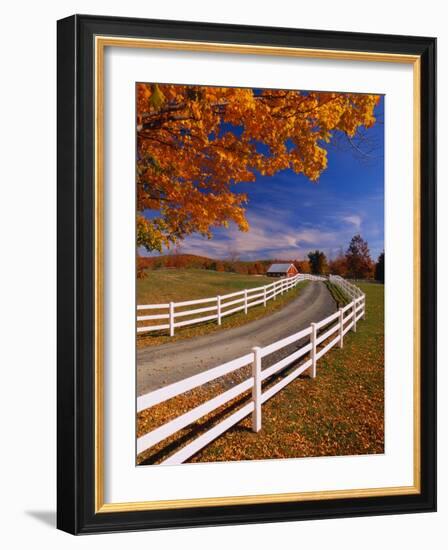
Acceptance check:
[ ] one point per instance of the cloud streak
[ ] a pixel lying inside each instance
(268, 237)
(353, 220)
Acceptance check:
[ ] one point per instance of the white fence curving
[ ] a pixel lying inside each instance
(351, 290)
(180, 314)
(319, 343)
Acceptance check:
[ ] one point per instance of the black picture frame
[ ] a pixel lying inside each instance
(76, 511)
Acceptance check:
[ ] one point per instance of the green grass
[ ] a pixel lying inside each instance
(192, 284)
(338, 294)
(340, 412)
(176, 285)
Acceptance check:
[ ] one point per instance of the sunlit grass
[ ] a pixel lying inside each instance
(340, 412)
(178, 285)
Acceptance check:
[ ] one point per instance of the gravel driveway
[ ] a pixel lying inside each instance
(168, 363)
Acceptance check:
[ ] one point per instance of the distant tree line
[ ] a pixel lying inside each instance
(379, 268)
(178, 260)
(354, 263)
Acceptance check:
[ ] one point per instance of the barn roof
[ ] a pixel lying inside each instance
(279, 268)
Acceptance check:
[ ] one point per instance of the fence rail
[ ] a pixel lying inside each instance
(334, 326)
(351, 290)
(220, 307)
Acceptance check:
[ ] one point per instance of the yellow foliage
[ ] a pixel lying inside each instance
(188, 164)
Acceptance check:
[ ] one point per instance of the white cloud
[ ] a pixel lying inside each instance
(269, 237)
(354, 220)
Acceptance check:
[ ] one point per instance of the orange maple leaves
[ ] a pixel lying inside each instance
(194, 143)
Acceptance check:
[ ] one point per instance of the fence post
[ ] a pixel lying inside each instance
(256, 390)
(245, 301)
(282, 286)
(264, 297)
(218, 298)
(341, 327)
(171, 318)
(354, 315)
(275, 290)
(364, 307)
(313, 350)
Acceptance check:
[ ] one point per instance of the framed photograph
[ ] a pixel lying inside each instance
(246, 274)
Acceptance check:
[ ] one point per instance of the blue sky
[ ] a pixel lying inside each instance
(289, 215)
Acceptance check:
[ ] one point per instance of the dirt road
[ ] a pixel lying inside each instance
(168, 363)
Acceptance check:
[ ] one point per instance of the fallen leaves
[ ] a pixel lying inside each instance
(340, 412)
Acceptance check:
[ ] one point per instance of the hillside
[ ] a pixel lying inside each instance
(166, 285)
(193, 261)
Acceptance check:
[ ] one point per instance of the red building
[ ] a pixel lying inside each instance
(282, 270)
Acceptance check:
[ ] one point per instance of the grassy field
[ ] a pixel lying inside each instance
(166, 285)
(338, 294)
(340, 412)
(174, 285)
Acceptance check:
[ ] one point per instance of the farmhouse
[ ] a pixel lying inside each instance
(282, 270)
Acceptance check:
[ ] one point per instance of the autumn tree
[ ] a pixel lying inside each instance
(179, 260)
(338, 265)
(318, 262)
(379, 268)
(158, 263)
(170, 261)
(240, 267)
(195, 143)
(260, 268)
(303, 266)
(141, 266)
(358, 260)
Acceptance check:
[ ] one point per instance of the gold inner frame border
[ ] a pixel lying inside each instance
(101, 42)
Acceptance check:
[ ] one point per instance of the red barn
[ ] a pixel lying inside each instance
(282, 270)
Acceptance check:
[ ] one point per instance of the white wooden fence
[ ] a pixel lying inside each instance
(180, 314)
(351, 290)
(319, 343)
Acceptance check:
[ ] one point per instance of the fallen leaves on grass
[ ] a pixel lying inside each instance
(340, 412)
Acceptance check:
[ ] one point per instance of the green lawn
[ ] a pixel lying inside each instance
(165, 285)
(176, 285)
(338, 294)
(340, 412)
